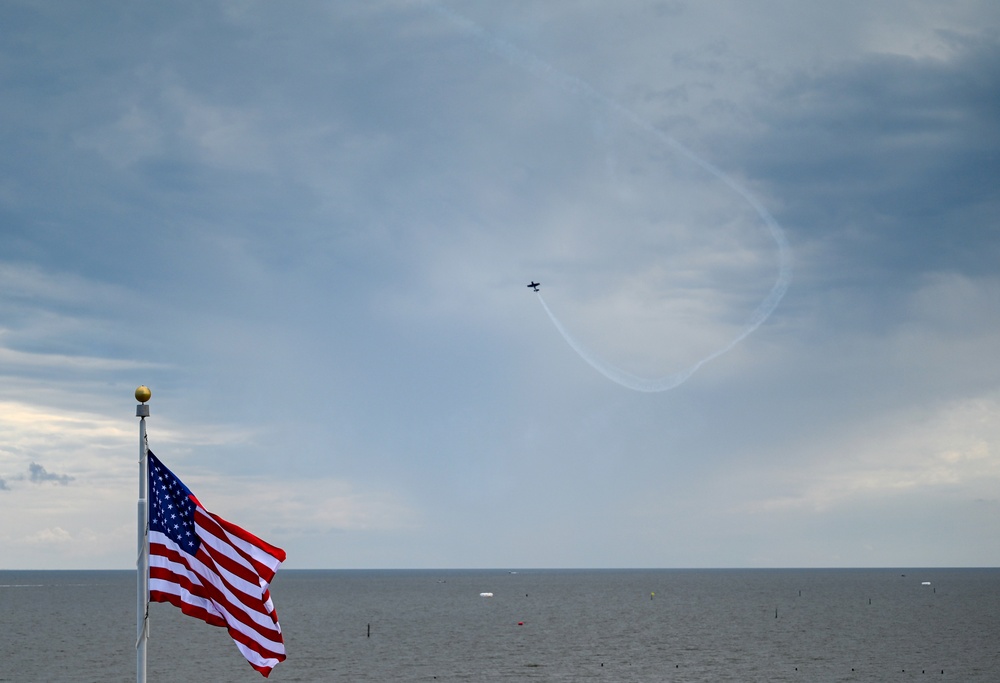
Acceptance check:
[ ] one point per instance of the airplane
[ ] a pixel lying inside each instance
(534, 285)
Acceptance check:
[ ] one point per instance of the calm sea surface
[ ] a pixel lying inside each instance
(540, 625)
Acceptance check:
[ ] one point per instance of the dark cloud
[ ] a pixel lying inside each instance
(38, 474)
(3, 485)
(322, 221)
(892, 160)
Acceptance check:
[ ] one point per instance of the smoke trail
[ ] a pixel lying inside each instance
(615, 374)
(576, 86)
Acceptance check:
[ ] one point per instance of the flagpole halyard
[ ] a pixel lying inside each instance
(142, 394)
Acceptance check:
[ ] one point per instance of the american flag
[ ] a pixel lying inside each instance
(212, 569)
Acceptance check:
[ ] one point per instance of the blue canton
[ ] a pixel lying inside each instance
(171, 511)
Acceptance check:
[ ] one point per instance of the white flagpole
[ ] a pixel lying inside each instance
(142, 395)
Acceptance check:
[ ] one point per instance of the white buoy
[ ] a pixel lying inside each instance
(486, 595)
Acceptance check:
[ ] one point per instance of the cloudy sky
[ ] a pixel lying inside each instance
(308, 228)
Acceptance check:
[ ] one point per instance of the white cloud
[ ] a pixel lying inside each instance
(136, 135)
(25, 286)
(19, 360)
(314, 226)
(65, 439)
(920, 30)
(951, 451)
(56, 536)
(297, 507)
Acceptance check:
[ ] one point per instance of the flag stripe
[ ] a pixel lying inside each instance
(231, 574)
(233, 585)
(212, 585)
(239, 616)
(211, 596)
(212, 569)
(169, 573)
(267, 556)
(235, 561)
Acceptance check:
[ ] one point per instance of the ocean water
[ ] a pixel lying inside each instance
(540, 625)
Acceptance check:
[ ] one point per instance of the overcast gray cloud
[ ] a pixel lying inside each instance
(309, 228)
(38, 474)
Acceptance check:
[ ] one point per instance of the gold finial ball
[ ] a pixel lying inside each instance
(142, 393)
